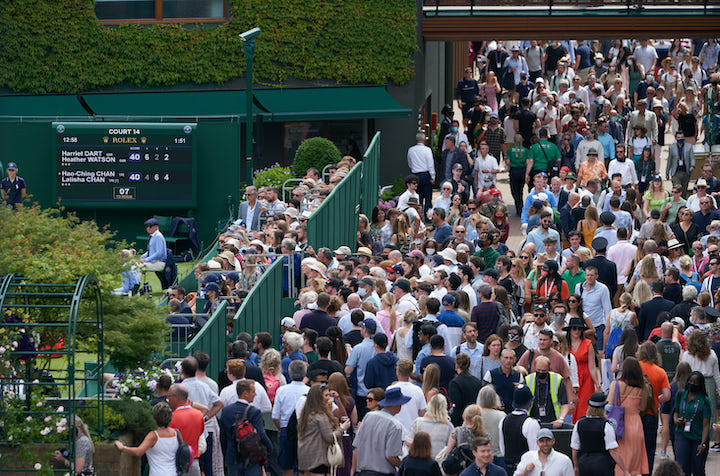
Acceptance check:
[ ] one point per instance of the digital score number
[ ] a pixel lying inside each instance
(124, 193)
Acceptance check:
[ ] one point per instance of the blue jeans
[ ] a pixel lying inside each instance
(599, 331)
(287, 452)
(242, 470)
(206, 458)
(650, 428)
(686, 456)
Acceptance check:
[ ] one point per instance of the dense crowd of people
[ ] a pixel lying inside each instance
(436, 347)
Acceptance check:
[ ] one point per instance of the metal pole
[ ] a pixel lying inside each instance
(248, 39)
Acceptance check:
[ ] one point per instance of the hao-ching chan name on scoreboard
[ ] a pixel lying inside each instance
(111, 164)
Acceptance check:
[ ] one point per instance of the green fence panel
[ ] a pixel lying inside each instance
(262, 309)
(211, 340)
(370, 177)
(335, 221)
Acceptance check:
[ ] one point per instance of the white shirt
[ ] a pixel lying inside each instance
(544, 114)
(286, 398)
(459, 137)
(645, 56)
(583, 147)
(406, 303)
(228, 396)
(486, 163)
(693, 203)
(411, 410)
(420, 159)
(557, 464)
(626, 169)
(621, 253)
(529, 429)
(472, 295)
(531, 334)
(610, 441)
(708, 367)
(403, 200)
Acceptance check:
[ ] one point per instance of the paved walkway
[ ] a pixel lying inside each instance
(516, 238)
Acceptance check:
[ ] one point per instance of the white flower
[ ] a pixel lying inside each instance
(36, 381)
(48, 418)
(14, 344)
(2, 349)
(29, 418)
(45, 431)
(136, 399)
(37, 466)
(10, 438)
(60, 409)
(39, 404)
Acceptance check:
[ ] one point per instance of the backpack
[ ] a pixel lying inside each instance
(460, 457)
(272, 383)
(183, 455)
(247, 441)
(647, 400)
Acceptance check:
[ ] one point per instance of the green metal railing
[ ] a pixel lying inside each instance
(335, 221)
(370, 177)
(262, 309)
(55, 314)
(211, 340)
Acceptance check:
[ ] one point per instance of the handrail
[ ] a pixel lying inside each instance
(211, 339)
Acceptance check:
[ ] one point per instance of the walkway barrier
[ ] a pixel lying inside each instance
(370, 177)
(335, 221)
(211, 340)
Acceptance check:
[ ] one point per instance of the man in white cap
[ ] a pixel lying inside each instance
(342, 253)
(695, 200)
(545, 460)
(516, 64)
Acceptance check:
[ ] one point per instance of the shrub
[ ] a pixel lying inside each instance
(138, 417)
(135, 328)
(397, 189)
(315, 152)
(274, 176)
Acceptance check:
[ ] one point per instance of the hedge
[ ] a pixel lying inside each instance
(58, 46)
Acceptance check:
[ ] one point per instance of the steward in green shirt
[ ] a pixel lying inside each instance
(517, 155)
(544, 154)
(486, 251)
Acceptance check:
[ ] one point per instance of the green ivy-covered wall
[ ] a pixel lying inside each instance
(57, 46)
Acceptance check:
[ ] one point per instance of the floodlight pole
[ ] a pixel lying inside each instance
(248, 39)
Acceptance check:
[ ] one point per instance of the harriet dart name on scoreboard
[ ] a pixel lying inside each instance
(124, 165)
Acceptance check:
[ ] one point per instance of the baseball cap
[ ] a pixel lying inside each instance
(287, 322)
(369, 324)
(448, 299)
(234, 276)
(343, 250)
(494, 115)
(492, 272)
(211, 287)
(11, 166)
(367, 281)
(592, 151)
(403, 284)
(150, 222)
(457, 167)
(545, 433)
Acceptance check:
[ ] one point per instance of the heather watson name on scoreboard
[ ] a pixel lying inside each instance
(125, 164)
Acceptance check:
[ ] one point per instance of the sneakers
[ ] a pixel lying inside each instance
(715, 447)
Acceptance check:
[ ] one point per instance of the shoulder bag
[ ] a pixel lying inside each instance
(335, 456)
(616, 414)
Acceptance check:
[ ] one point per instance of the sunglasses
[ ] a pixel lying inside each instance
(524, 257)
(572, 300)
(459, 232)
(539, 314)
(369, 399)
(472, 209)
(697, 248)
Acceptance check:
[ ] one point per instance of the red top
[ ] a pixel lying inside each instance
(681, 337)
(190, 423)
(545, 288)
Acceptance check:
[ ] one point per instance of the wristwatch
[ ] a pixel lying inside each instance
(704, 445)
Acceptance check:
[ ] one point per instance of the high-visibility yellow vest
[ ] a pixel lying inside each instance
(555, 382)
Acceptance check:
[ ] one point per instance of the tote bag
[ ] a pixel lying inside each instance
(616, 414)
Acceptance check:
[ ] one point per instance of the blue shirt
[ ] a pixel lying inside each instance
(491, 470)
(442, 233)
(157, 248)
(610, 234)
(285, 364)
(358, 359)
(583, 51)
(451, 318)
(596, 302)
(532, 196)
(537, 236)
(608, 144)
(475, 357)
(424, 352)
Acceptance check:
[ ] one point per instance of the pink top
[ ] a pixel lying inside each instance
(384, 318)
(297, 317)
(491, 94)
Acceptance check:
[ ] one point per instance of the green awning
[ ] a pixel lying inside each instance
(329, 103)
(280, 104)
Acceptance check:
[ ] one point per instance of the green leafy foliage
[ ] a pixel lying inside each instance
(58, 46)
(315, 152)
(397, 189)
(137, 415)
(273, 176)
(44, 245)
(113, 422)
(135, 328)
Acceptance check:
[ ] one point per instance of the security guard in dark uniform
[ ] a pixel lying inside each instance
(12, 187)
(593, 443)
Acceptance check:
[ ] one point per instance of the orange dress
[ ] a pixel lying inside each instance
(632, 446)
(587, 386)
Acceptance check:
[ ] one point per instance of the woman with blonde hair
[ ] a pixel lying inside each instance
(647, 273)
(641, 294)
(430, 382)
(398, 339)
(435, 422)
(472, 427)
(521, 287)
(489, 402)
(619, 318)
(270, 365)
(401, 234)
(588, 225)
(584, 254)
(387, 316)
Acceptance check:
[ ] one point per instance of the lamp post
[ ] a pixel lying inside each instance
(248, 39)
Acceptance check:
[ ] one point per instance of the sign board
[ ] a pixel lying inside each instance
(124, 165)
